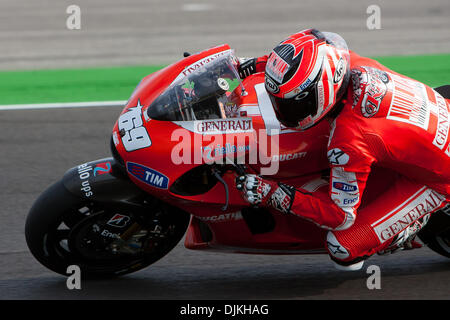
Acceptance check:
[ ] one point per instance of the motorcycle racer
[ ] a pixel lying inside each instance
(378, 118)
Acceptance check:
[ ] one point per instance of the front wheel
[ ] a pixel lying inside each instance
(103, 239)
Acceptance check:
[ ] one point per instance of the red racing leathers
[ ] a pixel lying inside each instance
(387, 121)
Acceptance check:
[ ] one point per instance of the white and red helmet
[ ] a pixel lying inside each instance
(306, 75)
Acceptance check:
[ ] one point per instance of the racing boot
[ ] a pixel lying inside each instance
(407, 239)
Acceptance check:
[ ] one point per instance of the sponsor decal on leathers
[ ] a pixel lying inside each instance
(369, 86)
(288, 156)
(443, 123)
(337, 157)
(410, 103)
(422, 203)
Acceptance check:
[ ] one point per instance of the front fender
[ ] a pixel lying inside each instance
(101, 180)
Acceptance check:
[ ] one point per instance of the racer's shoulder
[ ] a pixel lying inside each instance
(370, 87)
(347, 143)
(346, 132)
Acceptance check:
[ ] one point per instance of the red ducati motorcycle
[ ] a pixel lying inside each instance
(183, 137)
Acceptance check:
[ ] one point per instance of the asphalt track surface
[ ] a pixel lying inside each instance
(38, 146)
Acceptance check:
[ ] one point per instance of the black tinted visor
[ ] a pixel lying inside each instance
(291, 111)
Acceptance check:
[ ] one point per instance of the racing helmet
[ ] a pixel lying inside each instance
(306, 75)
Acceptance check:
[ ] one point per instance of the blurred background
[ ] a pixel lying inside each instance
(33, 34)
(117, 42)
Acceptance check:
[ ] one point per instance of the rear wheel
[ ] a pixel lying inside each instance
(103, 239)
(441, 244)
(436, 233)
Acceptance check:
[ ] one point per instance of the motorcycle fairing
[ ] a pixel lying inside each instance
(192, 185)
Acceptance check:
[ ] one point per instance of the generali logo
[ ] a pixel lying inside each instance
(423, 202)
(218, 126)
(443, 123)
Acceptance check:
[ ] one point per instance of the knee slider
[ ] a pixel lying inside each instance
(335, 249)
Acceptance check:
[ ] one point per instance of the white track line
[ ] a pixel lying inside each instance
(194, 7)
(93, 104)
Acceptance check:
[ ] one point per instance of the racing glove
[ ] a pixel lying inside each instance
(259, 191)
(249, 66)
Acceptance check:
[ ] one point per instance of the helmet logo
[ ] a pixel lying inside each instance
(271, 86)
(302, 95)
(340, 70)
(281, 60)
(276, 67)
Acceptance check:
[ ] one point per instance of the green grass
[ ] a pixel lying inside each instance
(433, 70)
(117, 83)
(71, 85)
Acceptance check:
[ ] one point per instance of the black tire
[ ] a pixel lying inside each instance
(436, 233)
(441, 244)
(56, 220)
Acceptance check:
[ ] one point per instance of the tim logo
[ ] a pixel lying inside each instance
(118, 221)
(147, 175)
(102, 168)
(344, 186)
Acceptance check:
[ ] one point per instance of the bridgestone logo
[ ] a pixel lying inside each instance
(425, 201)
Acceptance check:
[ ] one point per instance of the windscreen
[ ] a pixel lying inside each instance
(201, 94)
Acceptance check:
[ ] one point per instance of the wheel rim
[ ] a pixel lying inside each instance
(83, 237)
